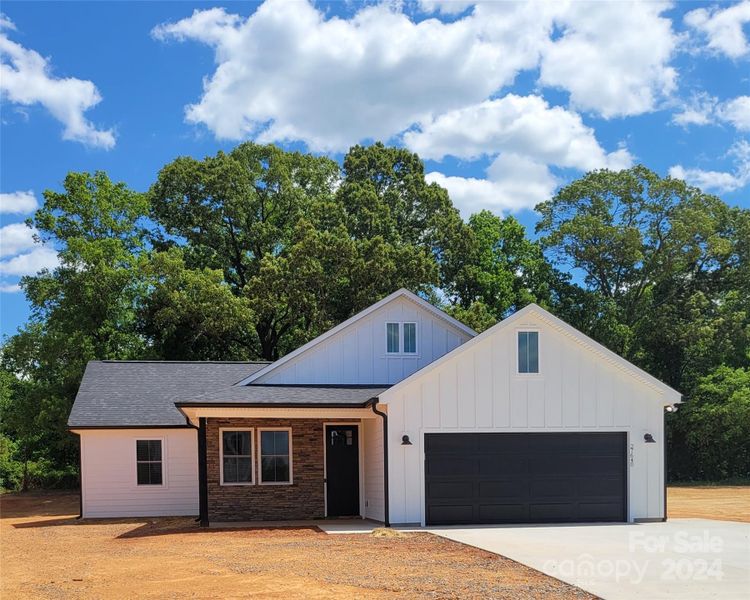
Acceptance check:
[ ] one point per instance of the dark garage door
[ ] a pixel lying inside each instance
(525, 477)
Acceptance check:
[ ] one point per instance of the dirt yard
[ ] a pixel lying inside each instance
(47, 553)
(725, 503)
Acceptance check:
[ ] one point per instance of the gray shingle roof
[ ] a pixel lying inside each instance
(143, 393)
(319, 395)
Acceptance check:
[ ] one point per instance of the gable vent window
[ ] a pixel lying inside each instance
(401, 338)
(528, 352)
(148, 462)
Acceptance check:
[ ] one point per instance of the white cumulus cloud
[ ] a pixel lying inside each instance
(613, 57)
(289, 72)
(737, 112)
(521, 125)
(704, 109)
(723, 28)
(15, 238)
(26, 79)
(513, 183)
(30, 263)
(446, 7)
(720, 181)
(18, 203)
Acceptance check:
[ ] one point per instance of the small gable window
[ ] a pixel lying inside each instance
(401, 338)
(410, 338)
(392, 334)
(148, 458)
(528, 352)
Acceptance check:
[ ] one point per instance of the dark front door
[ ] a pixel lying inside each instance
(525, 477)
(342, 470)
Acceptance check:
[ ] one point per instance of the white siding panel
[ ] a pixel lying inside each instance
(480, 390)
(108, 467)
(357, 355)
(373, 471)
(467, 409)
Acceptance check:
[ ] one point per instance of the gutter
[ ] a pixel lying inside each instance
(384, 416)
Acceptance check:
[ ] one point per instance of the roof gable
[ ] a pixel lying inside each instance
(307, 349)
(602, 352)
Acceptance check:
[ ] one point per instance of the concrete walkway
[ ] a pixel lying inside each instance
(686, 559)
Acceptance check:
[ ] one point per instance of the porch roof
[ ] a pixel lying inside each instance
(287, 395)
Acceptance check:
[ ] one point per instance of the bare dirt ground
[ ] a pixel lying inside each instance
(725, 503)
(46, 553)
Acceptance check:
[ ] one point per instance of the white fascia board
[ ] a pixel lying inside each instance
(360, 315)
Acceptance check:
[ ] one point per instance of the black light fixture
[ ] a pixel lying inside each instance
(649, 439)
(405, 440)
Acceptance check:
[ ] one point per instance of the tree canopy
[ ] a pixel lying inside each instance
(250, 253)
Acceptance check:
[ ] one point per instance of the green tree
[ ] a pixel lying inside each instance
(502, 270)
(82, 310)
(710, 435)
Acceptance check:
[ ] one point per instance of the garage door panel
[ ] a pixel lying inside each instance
(503, 489)
(443, 466)
(525, 477)
(552, 488)
(503, 513)
(490, 466)
(451, 514)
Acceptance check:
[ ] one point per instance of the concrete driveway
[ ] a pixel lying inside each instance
(682, 558)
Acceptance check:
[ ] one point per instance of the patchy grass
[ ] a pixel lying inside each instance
(47, 553)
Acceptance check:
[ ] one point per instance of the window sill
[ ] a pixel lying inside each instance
(237, 484)
(276, 483)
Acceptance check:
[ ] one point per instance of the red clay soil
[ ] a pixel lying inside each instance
(725, 503)
(46, 553)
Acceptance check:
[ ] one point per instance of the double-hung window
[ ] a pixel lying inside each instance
(528, 352)
(148, 458)
(236, 456)
(275, 455)
(401, 338)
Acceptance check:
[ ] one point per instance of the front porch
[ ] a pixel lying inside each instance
(261, 465)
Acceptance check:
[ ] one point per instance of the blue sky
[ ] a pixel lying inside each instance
(504, 101)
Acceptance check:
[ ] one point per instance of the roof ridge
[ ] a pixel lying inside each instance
(187, 362)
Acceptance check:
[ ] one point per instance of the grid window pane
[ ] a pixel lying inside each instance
(528, 352)
(392, 337)
(274, 457)
(237, 457)
(148, 462)
(236, 443)
(410, 338)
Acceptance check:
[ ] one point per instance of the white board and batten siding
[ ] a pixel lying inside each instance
(357, 354)
(478, 389)
(108, 474)
(374, 505)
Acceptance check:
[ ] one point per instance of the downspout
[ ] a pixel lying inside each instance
(202, 474)
(80, 476)
(664, 437)
(384, 416)
(202, 470)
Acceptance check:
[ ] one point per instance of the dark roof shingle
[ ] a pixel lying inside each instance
(143, 393)
(290, 395)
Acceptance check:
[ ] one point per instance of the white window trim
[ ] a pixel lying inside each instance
(400, 353)
(221, 456)
(260, 457)
(539, 351)
(148, 486)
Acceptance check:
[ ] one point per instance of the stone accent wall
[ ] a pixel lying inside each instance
(303, 499)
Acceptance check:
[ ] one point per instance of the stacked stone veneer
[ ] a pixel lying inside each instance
(303, 499)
